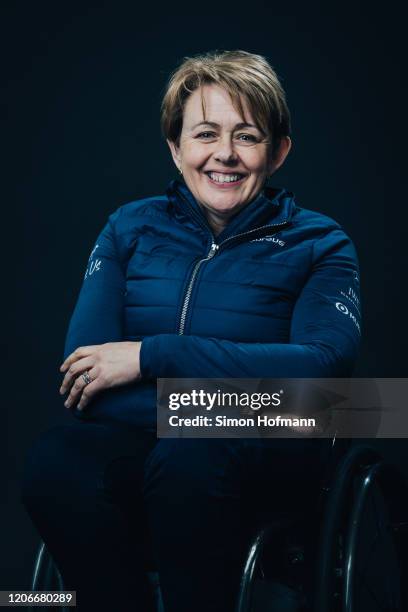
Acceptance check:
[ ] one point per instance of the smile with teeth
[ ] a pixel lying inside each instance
(219, 177)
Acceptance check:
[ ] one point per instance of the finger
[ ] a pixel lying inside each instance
(78, 388)
(89, 392)
(75, 392)
(79, 353)
(75, 370)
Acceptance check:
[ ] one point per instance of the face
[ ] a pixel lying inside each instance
(224, 157)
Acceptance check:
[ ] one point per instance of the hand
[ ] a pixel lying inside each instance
(107, 365)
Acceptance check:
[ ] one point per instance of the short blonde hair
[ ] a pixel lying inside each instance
(242, 75)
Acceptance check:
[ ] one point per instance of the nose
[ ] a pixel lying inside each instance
(225, 152)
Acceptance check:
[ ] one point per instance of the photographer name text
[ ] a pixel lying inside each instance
(247, 421)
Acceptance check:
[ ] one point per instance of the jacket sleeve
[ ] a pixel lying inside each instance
(324, 335)
(98, 314)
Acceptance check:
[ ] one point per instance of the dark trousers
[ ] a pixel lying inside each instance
(107, 497)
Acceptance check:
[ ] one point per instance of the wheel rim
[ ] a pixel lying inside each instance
(371, 570)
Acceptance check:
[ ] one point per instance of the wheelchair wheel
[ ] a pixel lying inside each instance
(46, 577)
(276, 576)
(372, 577)
(362, 556)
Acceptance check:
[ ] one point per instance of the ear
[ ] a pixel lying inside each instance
(280, 154)
(175, 153)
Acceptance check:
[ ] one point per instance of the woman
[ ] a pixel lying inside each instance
(219, 277)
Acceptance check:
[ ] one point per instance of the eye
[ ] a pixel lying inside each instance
(250, 138)
(206, 135)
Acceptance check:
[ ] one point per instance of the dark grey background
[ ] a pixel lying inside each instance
(82, 88)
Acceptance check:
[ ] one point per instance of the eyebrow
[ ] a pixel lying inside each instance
(238, 126)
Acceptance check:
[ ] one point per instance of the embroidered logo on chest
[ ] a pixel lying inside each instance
(273, 239)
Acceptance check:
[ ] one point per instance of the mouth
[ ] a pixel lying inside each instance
(226, 179)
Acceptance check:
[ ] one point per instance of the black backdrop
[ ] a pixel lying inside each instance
(82, 86)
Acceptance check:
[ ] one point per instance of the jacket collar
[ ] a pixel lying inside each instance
(273, 206)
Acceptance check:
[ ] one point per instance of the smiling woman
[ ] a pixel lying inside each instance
(221, 276)
(224, 156)
(227, 125)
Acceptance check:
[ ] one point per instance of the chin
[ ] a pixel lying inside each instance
(224, 207)
(228, 206)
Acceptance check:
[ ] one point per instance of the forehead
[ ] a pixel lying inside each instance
(213, 103)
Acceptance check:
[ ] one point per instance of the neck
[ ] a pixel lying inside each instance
(216, 223)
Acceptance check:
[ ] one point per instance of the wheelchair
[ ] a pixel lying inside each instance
(346, 552)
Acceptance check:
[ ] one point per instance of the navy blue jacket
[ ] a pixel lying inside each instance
(276, 294)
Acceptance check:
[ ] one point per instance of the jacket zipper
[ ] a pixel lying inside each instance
(213, 250)
(237, 237)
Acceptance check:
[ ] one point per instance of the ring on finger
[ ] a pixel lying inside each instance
(86, 378)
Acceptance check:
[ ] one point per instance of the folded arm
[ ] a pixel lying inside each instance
(324, 338)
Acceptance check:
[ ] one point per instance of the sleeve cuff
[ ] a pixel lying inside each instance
(153, 355)
(146, 351)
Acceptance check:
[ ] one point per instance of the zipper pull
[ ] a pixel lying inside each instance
(213, 250)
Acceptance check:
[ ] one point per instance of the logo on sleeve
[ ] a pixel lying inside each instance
(93, 251)
(93, 265)
(352, 297)
(343, 309)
